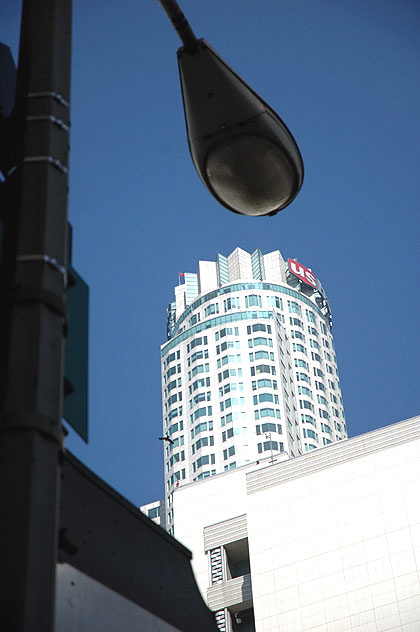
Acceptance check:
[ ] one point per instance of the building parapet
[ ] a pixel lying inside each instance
(334, 454)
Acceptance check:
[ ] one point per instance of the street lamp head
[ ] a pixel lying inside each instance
(242, 150)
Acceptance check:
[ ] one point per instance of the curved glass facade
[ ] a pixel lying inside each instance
(235, 288)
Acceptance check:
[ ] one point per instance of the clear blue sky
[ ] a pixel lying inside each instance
(344, 76)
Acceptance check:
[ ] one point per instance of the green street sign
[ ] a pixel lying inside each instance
(75, 410)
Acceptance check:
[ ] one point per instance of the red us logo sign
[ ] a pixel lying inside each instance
(304, 274)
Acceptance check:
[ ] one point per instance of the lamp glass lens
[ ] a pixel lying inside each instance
(251, 174)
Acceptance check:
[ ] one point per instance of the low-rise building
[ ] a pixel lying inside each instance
(328, 541)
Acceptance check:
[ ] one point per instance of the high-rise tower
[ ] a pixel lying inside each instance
(249, 370)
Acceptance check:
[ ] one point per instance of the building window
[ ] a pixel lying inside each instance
(297, 334)
(203, 442)
(228, 344)
(232, 401)
(304, 390)
(274, 301)
(153, 513)
(228, 452)
(260, 341)
(267, 412)
(308, 419)
(227, 419)
(231, 303)
(294, 307)
(261, 355)
(296, 321)
(263, 368)
(253, 300)
(194, 320)
(296, 346)
(266, 397)
(268, 427)
(170, 372)
(303, 403)
(200, 412)
(276, 446)
(172, 400)
(203, 460)
(196, 342)
(303, 377)
(258, 327)
(227, 331)
(170, 358)
(170, 386)
(205, 474)
(301, 363)
(228, 434)
(213, 308)
(227, 388)
(264, 383)
(198, 355)
(201, 427)
(310, 316)
(227, 359)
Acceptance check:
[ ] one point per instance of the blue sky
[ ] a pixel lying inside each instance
(344, 76)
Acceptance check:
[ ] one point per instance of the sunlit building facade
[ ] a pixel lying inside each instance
(249, 370)
(325, 542)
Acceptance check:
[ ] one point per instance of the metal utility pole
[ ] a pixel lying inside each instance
(33, 284)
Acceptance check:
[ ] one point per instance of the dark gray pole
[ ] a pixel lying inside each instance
(34, 296)
(180, 24)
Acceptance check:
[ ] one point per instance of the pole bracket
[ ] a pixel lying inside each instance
(51, 118)
(54, 95)
(51, 261)
(49, 159)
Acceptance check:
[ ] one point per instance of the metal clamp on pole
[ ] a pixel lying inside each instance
(54, 95)
(45, 117)
(50, 159)
(51, 261)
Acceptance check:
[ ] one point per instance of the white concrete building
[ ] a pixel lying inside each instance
(326, 542)
(249, 370)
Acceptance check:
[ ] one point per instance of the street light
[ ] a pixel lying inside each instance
(247, 159)
(242, 150)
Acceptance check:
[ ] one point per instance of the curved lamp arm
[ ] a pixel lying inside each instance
(180, 24)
